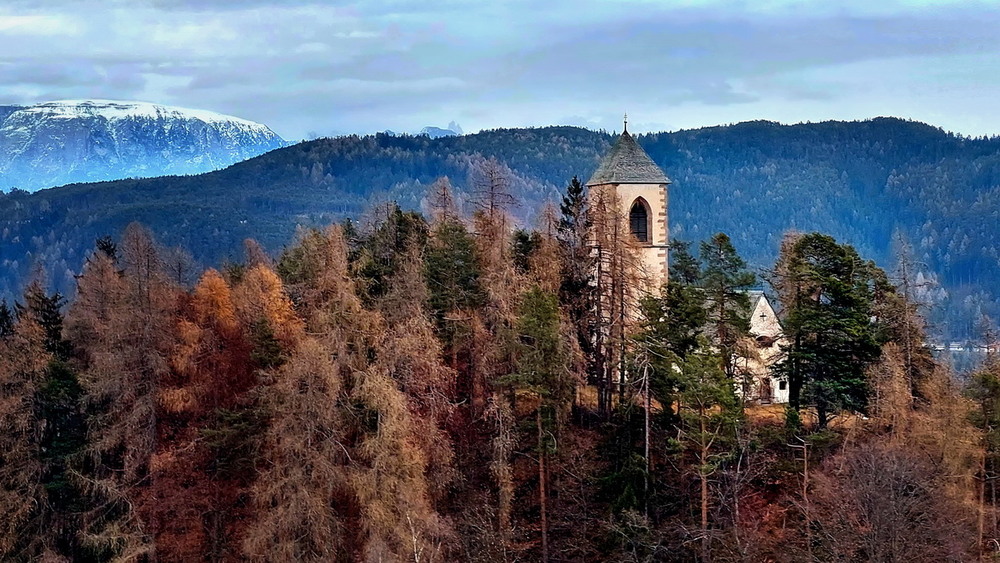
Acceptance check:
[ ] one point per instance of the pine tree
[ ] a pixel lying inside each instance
(828, 291)
(576, 290)
(725, 281)
(381, 251)
(59, 411)
(684, 267)
(45, 310)
(540, 359)
(453, 283)
(709, 413)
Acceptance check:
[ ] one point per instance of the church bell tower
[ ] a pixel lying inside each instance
(640, 190)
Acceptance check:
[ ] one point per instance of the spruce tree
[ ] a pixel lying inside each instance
(45, 310)
(725, 281)
(380, 252)
(452, 273)
(576, 291)
(828, 292)
(541, 370)
(6, 319)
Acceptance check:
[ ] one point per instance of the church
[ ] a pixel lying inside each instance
(629, 178)
(633, 181)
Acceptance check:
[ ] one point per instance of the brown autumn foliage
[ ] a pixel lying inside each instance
(301, 487)
(22, 363)
(378, 443)
(211, 371)
(545, 265)
(281, 418)
(413, 357)
(123, 322)
(260, 296)
(210, 359)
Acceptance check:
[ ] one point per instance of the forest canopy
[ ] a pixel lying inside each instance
(445, 388)
(872, 184)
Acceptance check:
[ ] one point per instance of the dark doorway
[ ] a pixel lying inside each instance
(766, 391)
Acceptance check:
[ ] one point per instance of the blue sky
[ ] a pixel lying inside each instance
(323, 68)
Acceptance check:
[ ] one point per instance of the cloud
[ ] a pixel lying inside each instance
(301, 65)
(43, 25)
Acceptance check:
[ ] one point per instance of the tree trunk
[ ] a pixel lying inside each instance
(543, 502)
(805, 499)
(980, 521)
(600, 359)
(703, 461)
(646, 405)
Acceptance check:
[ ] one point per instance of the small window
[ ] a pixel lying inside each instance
(639, 221)
(782, 385)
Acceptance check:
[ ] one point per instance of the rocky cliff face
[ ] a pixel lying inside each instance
(56, 143)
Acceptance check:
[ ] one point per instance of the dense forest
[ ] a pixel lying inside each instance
(448, 387)
(876, 184)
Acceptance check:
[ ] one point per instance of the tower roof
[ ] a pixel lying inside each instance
(627, 163)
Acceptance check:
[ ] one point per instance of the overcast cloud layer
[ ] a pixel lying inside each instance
(323, 68)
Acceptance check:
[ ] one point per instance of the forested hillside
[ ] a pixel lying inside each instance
(860, 181)
(452, 389)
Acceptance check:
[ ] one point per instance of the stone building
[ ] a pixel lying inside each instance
(754, 364)
(629, 178)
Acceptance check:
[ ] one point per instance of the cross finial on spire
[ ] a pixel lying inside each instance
(626, 122)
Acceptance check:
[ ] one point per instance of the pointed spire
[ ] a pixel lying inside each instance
(627, 163)
(626, 122)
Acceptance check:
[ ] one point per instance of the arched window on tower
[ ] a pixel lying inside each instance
(638, 218)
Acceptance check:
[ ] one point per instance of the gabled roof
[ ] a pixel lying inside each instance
(755, 295)
(627, 163)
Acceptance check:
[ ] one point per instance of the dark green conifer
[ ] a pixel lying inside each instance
(828, 292)
(725, 281)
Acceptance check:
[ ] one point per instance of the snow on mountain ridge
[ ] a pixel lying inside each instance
(113, 109)
(66, 141)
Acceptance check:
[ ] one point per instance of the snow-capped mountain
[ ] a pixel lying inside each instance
(56, 143)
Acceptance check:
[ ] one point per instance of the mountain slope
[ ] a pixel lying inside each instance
(859, 181)
(56, 143)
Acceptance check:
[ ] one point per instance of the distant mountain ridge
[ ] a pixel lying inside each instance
(862, 182)
(55, 143)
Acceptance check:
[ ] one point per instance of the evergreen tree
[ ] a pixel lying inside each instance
(6, 320)
(45, 310)
(106, 245)
(526, 243)
(576, 291)
(725, 281)
(452, 273)
(684, 267)
(541, 370)
(380, 252)
(828, 292)
(62, 426)
(123, 325)
(709, 415)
